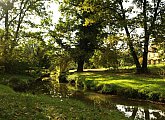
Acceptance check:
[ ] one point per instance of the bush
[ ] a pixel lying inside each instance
(90, 85)
(40, 86)
(131, 93)
(63, 78)
(17, 84)
(109, 89)
(80, 84)
(99, 87)
(142, 94)
(162, 98)
(154, 96)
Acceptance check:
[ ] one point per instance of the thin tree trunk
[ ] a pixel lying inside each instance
(133, 53)
(5, 52)
(130, 44)
(80, 65)
(6, 25)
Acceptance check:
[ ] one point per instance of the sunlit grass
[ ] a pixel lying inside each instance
(148, 84)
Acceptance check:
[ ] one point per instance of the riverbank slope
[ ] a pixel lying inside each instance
(124, 84)
(24, 106)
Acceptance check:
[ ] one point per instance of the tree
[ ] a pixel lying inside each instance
(77, 32)
(110, 52)
(16, 16)
(143, 14)
(150, 15)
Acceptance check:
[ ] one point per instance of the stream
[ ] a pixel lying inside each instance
(137, 110)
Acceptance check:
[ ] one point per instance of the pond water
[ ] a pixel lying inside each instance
(137, 110)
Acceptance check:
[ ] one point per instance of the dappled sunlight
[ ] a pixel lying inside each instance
(126, 80)
(82, 59)
(125, 84)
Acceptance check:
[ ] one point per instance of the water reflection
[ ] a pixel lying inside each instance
(135, 110)
(61, 90)
(139, 113)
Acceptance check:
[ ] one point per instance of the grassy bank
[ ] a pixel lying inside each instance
(130, 85)
(21, 106)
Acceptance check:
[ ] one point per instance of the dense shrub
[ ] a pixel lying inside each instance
(40, 86)
(90, 85)
(154, 96)
(80, 84)
(63, 77)
(30, 85)
(17, 84)
(143, 94)
(99, 87)
(131, 93)
(109, 89)
(162, 98)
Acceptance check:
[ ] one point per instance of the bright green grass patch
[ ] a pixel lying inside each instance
(17, 106)
(151, 86)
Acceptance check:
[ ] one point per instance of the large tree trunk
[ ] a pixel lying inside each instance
(146, 38)
(145, 55)
(80, 65)
(148, 32)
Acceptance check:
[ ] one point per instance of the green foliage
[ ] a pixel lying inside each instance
(109, 89)
(112, 54)
(90, 85)
(131, 93)
(154, 96)
(63, 61)
(17, 17)
(40, 86)
(76, 32)
(18, 84)
(143, 94)
(23, 83)
(63, 77)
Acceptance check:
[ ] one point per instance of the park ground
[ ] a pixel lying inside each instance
(125, 83)
(24, 105)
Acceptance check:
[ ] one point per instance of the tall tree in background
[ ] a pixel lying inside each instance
(77, 32)
(130, 15)
(151, 12)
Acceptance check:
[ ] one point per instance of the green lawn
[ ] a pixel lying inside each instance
(23, 106)
(131, 85)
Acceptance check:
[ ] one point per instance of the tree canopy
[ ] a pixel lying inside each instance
(84, 28)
